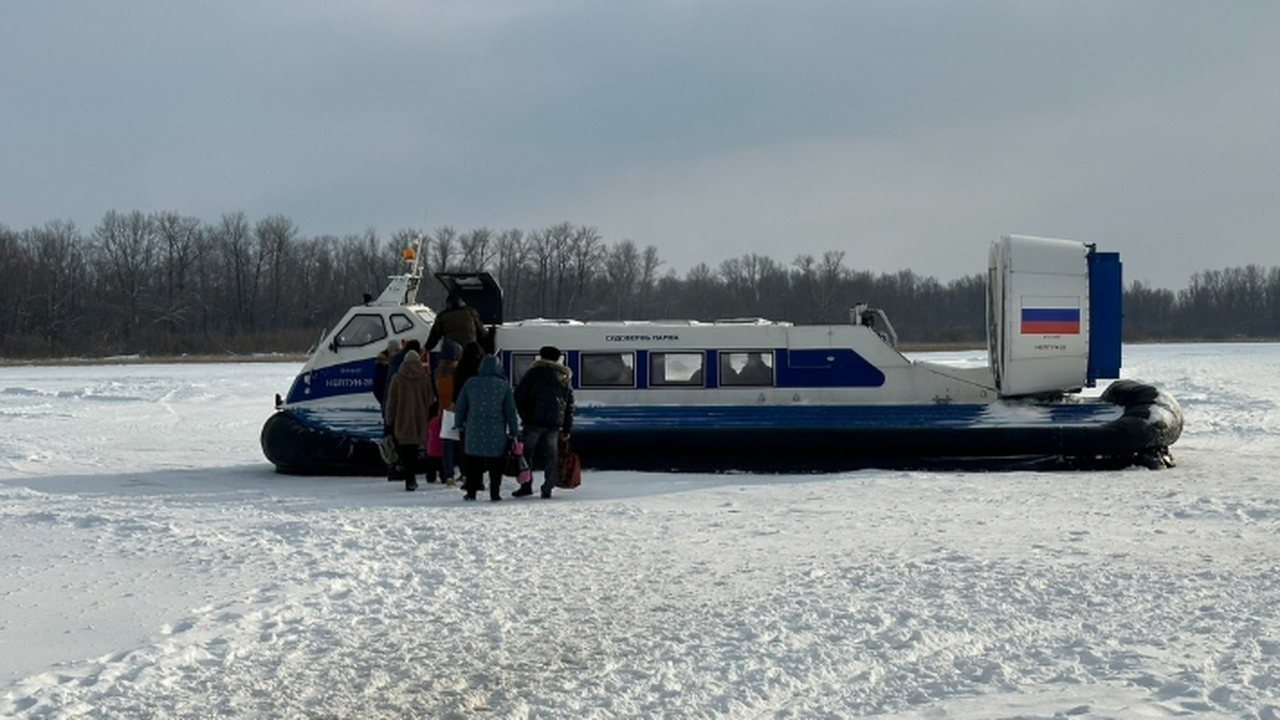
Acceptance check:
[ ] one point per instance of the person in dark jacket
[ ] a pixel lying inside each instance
(450, 351)
(468, 364)
(486, 413)
(544, 399)
(458, 322)
(755, 372)
(382, 372)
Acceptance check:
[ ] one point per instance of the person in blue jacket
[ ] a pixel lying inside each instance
(486, 415)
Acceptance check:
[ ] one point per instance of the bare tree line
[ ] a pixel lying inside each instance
(166, 284)
(1235, 303)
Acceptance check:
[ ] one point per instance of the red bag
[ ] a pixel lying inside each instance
(435, 448)
(568, 466)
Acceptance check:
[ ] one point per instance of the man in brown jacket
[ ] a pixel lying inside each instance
(408, 413)
(458, 322)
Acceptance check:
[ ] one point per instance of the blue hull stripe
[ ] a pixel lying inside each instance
(334, 381)
(365, 423)
(832, 417)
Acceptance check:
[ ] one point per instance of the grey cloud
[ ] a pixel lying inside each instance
(907, 133)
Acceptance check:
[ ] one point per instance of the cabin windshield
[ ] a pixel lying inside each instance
(361, 330)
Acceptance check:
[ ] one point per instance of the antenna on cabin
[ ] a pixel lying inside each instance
(403, 288)
(413, 258)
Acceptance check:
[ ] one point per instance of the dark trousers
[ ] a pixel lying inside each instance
(408, 464)
(431, 468)
(541, 447)
(475, 468)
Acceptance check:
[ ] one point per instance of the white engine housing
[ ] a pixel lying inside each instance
(1038, 314)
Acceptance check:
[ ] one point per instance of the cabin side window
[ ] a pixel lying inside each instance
(401, 323)
(520, 363)
(361, 330)
(676, 368)
(738, 369)
(606, 369)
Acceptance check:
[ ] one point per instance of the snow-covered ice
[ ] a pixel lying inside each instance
(155, 566)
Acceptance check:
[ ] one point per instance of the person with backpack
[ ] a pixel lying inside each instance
(544, 399)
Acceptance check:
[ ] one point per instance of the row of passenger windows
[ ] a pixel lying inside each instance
(666, 369)
(599, 369)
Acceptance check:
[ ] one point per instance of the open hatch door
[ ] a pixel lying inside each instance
(477, 289)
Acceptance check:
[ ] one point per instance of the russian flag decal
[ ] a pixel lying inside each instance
(1050, 316)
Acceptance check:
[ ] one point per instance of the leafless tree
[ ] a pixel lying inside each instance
(57, 281)
(323, 286)
(478, 249)
(622, 272)
(182, 244)
(704, 293)
(513, 254)
(649, 264)
(276, 236)
(242, 269)
(817, 284)
(15, 278)
(371, 262)
(541, 247)
(128, 245)
(586, 254)
(830, 274)
(444, 248)
(559, 240)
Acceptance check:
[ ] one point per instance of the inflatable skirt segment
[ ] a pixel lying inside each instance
(811, 439)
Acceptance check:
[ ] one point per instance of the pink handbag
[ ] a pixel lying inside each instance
(516, 466)
(435, 447)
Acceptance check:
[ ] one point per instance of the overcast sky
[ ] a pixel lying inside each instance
(907, 134)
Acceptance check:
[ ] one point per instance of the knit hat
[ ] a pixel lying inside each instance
(393, 346)
(549, 352)
(450, 350)
(412, 357)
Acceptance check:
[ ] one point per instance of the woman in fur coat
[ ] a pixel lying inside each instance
(408, 413)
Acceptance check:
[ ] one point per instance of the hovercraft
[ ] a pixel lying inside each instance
(771, 396)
